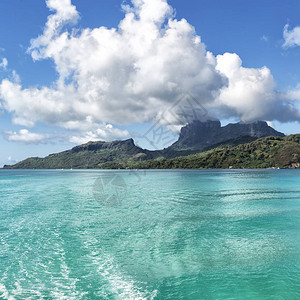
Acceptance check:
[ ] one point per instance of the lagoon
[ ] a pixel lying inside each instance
(154, 234)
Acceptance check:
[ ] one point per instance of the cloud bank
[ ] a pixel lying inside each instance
(133, 73)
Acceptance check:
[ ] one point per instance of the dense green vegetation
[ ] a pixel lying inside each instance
(88, 156)
(244, 152)
(269, 152)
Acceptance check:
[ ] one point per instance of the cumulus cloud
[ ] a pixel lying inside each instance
(133, 73)
(251, 93)
(64, 12)
(25, 136)
(291, 37)
(123, 75)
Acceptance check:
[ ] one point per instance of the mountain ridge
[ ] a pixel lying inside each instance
(199, 135)
(196, 137)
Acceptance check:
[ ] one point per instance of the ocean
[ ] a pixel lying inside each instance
(155, 234)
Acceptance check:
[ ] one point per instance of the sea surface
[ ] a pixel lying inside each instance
(90, 234)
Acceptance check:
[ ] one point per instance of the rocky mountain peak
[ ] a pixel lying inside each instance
(199, 135)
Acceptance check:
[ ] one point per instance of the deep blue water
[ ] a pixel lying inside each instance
(215, 234)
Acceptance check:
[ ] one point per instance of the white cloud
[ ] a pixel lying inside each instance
(13, 75)
(251, 93)
(64, 12)
(123, 75)
(107, 133)
(294, 93)
(291, 37)
(3, 64)
(25, 136)
(133, 73)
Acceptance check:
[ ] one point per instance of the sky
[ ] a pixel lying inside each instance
(87, 70)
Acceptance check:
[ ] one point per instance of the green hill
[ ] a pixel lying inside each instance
(242, 152)
(97, 155)
(269, 152)
(91, 155)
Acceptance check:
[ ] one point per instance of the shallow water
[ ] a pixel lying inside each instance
(214, 234)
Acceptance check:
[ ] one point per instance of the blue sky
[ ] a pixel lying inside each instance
(253, 30)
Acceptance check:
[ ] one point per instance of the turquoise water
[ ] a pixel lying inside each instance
(150, 235)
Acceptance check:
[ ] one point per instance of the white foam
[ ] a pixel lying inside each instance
(4, 294)
(123, 286)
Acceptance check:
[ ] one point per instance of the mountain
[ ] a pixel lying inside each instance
(91, 155)
(98, 155)
(218, 146)
(200, 135)
(268, 152)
